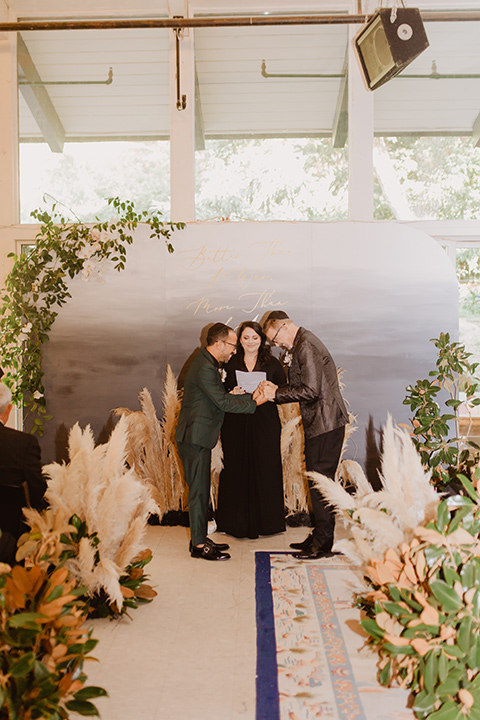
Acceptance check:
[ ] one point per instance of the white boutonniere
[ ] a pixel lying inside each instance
(287, 358)
(223, 374)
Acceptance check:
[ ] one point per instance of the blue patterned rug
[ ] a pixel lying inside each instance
(311, 659)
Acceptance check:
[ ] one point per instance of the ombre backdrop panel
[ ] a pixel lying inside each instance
(374, 293)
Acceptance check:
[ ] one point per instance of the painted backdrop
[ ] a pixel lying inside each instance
(374, 293)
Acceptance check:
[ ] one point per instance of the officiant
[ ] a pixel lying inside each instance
(250, 493)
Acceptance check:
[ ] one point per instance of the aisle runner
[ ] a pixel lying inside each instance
(311, 659)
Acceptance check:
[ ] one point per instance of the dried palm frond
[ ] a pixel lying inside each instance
(216, 469)
(386, 519)
(114, 504)
(293, 462)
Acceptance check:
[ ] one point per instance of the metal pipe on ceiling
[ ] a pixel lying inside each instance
(238, 21)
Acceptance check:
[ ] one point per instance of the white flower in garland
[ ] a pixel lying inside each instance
(25, 332)
(93, 270)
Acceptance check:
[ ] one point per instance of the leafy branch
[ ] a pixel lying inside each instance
(455, 375)
(37, 287)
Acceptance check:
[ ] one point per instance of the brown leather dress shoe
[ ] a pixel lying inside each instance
(207, 552)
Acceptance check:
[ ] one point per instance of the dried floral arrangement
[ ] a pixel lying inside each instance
(96, 522)
(420, 557)
(151, 447)
(43, 646)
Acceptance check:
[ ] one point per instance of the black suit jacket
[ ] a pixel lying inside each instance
(313, 383)
(20, 462)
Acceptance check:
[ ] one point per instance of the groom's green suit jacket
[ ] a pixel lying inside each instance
(205, 403)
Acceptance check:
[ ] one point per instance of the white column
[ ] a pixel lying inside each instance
(182, 130)
(360, 139)
(9, 204)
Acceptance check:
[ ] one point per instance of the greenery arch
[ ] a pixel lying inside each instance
(37, 286)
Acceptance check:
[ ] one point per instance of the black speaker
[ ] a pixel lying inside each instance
(384, 47)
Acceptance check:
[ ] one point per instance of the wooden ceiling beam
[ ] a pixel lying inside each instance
(38, 100)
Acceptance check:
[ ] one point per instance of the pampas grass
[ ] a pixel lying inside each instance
(97, 487)
(152, 450)
(388, 518)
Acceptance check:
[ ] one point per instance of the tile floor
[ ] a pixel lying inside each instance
(190, 654)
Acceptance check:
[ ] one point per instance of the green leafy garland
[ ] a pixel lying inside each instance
(38, 284)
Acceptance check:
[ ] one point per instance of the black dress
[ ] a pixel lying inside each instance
(250, 493)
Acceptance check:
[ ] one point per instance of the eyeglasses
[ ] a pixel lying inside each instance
(234, 345)
(274, 339)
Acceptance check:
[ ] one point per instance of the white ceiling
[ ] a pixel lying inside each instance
(235, 98)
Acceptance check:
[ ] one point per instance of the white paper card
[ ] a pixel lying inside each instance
(249, 381)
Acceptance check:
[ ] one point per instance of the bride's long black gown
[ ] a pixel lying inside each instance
(250, 493)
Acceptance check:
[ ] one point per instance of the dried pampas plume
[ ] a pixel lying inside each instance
(385, 519)
(97, 487)
(152, 450)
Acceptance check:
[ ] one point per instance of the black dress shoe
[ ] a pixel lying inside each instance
(219, 546)
(305, 545)
(313, 553)
(216, 546)
(207, 552)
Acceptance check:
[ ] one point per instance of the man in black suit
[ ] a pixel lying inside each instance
(313, 383)
(205, 402)
(21, 478)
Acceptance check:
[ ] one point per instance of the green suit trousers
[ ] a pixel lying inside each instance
(196, 461)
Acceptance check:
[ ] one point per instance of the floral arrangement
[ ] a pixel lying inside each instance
(95, 524)
(424, 612)
(37, 287)
(420, 557)
(43, 646)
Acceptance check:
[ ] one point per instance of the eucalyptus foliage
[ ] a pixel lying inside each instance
(454, 375)
(37, 287)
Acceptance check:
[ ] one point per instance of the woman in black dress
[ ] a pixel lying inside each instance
(250, 492)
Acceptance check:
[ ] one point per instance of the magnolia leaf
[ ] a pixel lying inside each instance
(87, 693)
(424, 702)
(449, 711)
(145, 592)
(422, 647)
(371, 627)
(82, 707)
(22, 666)
(446, 595)
(26, 620)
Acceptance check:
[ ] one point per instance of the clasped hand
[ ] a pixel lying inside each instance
(266, 389)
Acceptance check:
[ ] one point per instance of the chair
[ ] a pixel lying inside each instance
(14, 497)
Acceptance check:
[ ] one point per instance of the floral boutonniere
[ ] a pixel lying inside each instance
(287, 358)
(223, 374)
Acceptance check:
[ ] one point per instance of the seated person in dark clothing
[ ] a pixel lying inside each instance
(21, 481)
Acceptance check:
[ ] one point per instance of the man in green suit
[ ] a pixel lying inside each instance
(204, 405)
